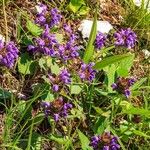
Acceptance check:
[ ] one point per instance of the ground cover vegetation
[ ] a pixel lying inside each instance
(60, 91)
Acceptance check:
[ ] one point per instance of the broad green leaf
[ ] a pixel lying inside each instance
(48, 96)
(75, 5)
(111, 60)
(47, 63)
(90, 46)
(137, 84)
(33, 28)
(25, 64)
(110, 72)
(75, 89)
(84, 141)
(125, 66)
(84, 10)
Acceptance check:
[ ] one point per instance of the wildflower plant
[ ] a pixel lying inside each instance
(73, 89)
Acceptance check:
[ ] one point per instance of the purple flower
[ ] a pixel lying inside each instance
(57, 109)
(46, 44)
(60, 80)
(126, 38)
(69, 50)
(123, 85)
(56, 117)
(95, 141)
(55, 17)
(44, 16)
(105, 142)
(86, 72)
(67, 28)
(8, 54)
(55, 87)
(127, 93)
(132, 81)
(65, 77)
(100, 40)
(114, 86)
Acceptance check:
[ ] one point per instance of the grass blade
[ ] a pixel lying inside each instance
(90, 47)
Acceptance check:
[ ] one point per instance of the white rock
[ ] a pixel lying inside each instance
(139, 3)
(2, 38)
(146, 53)
(102, 26)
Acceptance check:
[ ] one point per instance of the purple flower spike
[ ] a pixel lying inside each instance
(57, 109)
(8, 54)
(86, 72)
(100, 40)
(126, 38)
(123, 85)
(105, 142)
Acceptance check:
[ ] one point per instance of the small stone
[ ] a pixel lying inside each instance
(102, 26)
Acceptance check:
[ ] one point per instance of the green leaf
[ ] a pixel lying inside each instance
(48, 96)
(137, 84)
(84, 10)
(90, 47)
(137, 111)
(111, 60)
(36, 141)
(100, 125)
(25, 64)
(33, 28)
(75, 89)
(21, 106)
(47, 63)
(58, 139)
(84, 141)
(124, 66)
(110, 72)
(140, 133)
(4, 94)
(75, 5)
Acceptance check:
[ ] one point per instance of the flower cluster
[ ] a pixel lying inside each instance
(8, 54)
(56, 109)
(126, 38)
(47, 17)
(123, 85)
(86, 72)
(105, 142)
(60, 80)
(69, 50)
(46, 44)
(100, 40)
